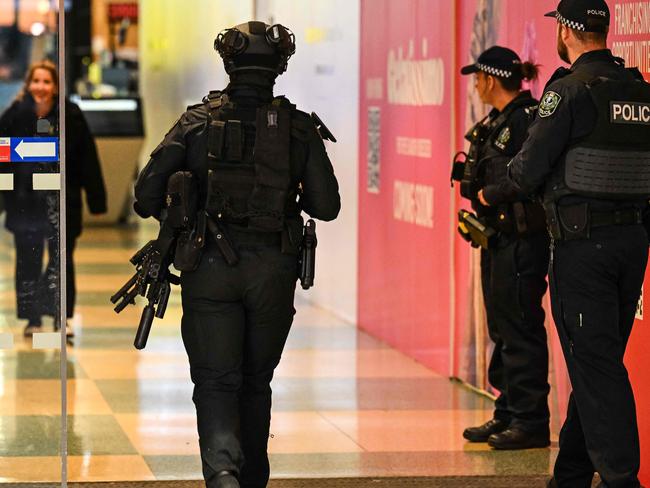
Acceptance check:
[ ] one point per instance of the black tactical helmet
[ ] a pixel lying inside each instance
(256, 45)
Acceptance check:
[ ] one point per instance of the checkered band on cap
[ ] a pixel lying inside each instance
(501, 73)
(570, 23)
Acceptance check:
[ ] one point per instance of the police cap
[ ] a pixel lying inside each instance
(496, 61)
(583, 15)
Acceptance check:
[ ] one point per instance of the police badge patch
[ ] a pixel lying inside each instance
(549, 104)
(503, 138)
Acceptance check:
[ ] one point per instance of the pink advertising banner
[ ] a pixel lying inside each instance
(405, 201)
(630, 39)
(418, 287)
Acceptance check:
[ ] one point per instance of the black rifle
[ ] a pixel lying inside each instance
(180, 241)
(474, 232)
(151, 280)
(308, 255)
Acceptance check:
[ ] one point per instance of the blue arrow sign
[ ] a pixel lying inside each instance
(29, 149)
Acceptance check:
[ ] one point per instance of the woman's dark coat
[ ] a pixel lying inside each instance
(27, 209)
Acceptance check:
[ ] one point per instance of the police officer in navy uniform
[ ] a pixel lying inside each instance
(513, 270)
(588, 157)
(259, 162)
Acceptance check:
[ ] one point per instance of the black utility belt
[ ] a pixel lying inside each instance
(617, 217)
(243, 236)
(571, 222)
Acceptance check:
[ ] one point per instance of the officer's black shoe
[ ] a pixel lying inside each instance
(516, 438)
(226, 479)
(483, 432)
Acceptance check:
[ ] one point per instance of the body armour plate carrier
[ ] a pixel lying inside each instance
(249, 169)
(613, 162)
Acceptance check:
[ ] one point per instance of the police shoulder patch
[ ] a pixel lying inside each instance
(503, 138)
(549, 104)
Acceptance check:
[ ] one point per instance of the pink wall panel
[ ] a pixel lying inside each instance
(405, 219)
(415, 283)
(630, 38)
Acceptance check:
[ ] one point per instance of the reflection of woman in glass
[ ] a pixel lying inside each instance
(32, 215)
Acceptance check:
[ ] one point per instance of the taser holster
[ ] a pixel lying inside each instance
(307, 259)
(474, 231)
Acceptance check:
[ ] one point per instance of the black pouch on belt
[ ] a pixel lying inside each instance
(575, 221)
(189, 246)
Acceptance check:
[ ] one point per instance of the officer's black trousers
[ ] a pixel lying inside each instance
(37, 288)
(514, 282)
(235, 323)
(595, 287)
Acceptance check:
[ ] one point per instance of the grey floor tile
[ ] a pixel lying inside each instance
(148, 396)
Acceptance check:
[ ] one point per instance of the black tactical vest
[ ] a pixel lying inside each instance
(478, 137)
(613, 161)
(249, 163)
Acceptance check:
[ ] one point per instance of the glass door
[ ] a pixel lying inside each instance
(32, 345)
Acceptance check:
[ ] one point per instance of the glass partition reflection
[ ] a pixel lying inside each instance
(30, 261)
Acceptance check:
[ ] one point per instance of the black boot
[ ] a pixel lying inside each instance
(483, 432)
(517, 438)
(226, 479)
(33, 326)
(68, 329)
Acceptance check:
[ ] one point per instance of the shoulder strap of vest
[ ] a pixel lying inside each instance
(636, 73)
(503, 116)
(587, 78)
(473, 131)
(591, 80)
(558, 75)
(282, 101)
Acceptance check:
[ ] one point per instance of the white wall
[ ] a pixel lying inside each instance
(323, 77)
(179, 66)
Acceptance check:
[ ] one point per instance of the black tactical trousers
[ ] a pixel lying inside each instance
(235, 323)
(37, 289)
(595, 287)
(514, 282)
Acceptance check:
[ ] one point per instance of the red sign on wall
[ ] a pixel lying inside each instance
(119, 11)
(5, 150)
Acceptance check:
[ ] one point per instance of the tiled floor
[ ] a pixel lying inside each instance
(344, 403)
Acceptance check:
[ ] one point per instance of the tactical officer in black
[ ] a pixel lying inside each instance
(514, 263)
(588, 156)
(259, 162)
